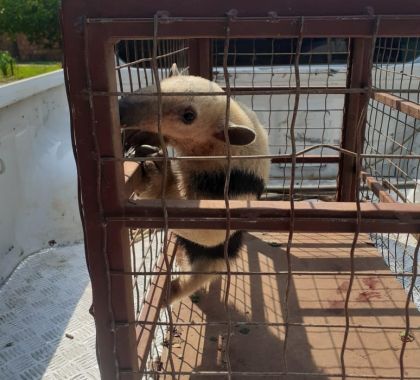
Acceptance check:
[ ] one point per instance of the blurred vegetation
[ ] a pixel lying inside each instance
(22, 71)
(37, 19)
(7, 64)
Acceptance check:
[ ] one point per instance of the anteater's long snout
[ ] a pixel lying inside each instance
(137, 112)
(135, 109)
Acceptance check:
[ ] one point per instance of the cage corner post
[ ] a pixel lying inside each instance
(89, 65)
(355, 111)
(113, 196)
(199, 54)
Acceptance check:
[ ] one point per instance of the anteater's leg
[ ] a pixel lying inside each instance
(187, 284)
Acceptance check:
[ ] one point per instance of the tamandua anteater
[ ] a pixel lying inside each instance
(194, 126)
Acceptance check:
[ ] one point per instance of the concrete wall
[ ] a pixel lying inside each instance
(38, 193)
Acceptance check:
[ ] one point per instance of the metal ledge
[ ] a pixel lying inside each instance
(271, 216)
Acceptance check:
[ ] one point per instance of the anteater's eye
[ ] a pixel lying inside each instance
(189, 116)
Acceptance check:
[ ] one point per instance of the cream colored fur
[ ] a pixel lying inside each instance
(197, 139)
(185, 285)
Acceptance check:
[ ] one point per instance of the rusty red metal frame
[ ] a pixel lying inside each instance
(283, 90)
(355, 111)
(91, 29)
(219, 8)
(271, 216)
(101, 188)
(245, 27)
(410, 108)
(277, 374)
(380, 191)
(377, 188)
(150, 311)
(199, 57)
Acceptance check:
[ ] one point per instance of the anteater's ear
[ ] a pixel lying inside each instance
(238, 135)
(174, 71)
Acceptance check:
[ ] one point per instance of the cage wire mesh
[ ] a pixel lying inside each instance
(295, 119)
(134, 67)
(394, 131)
(323, 63)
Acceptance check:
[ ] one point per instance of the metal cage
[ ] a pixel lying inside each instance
(318, 289)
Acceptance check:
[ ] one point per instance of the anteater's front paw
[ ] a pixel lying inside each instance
(152, 167)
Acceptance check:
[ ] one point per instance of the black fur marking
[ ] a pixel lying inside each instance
(211, 185)
(196, 251)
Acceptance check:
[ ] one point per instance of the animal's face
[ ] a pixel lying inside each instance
(195, 119)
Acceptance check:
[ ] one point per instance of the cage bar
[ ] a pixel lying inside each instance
(373, 92)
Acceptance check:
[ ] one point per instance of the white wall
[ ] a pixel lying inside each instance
(38, 191)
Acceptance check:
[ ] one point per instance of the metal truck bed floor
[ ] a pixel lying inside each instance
(45, 328)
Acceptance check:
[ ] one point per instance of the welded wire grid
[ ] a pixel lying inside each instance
(394, 131)
(295, 120)
(145, 247)
(270, 63)
(134, 61)
(141, 64)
